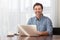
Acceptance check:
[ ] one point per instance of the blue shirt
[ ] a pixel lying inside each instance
(43, 24)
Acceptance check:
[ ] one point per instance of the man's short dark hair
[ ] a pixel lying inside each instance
(36, 4)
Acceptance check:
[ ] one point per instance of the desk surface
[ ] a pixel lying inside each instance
(54, 37)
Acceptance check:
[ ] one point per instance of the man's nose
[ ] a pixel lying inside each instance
(37, 10)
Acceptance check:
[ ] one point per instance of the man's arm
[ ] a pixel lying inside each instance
(48, 27)
(42, 33)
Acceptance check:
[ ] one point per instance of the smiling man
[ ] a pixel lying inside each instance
(43, 23)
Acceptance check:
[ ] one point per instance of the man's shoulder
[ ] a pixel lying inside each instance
(30, 21)
(47, 18)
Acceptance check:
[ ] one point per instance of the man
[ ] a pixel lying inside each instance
(44, 24)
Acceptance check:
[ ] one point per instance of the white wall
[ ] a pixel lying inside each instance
(58, 13)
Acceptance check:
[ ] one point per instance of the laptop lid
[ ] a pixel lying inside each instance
(29, 30)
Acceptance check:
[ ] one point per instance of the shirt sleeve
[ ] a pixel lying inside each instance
(49, 27)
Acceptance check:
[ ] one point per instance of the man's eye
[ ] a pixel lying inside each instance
(35, 9)
(39, 9)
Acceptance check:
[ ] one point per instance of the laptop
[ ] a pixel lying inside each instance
(27, 30)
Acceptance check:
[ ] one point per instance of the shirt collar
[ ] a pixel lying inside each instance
(39, 19)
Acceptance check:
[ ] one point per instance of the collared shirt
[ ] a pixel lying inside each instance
(43, 24)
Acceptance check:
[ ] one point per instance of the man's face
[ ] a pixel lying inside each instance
(38, 10)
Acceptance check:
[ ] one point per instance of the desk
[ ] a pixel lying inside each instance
(54, 37)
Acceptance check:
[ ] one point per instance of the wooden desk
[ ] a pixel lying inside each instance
(54, 37)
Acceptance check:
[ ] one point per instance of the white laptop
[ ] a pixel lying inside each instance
(29, 30)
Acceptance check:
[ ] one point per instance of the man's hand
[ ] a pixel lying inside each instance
(42, 33)
(39, 33)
